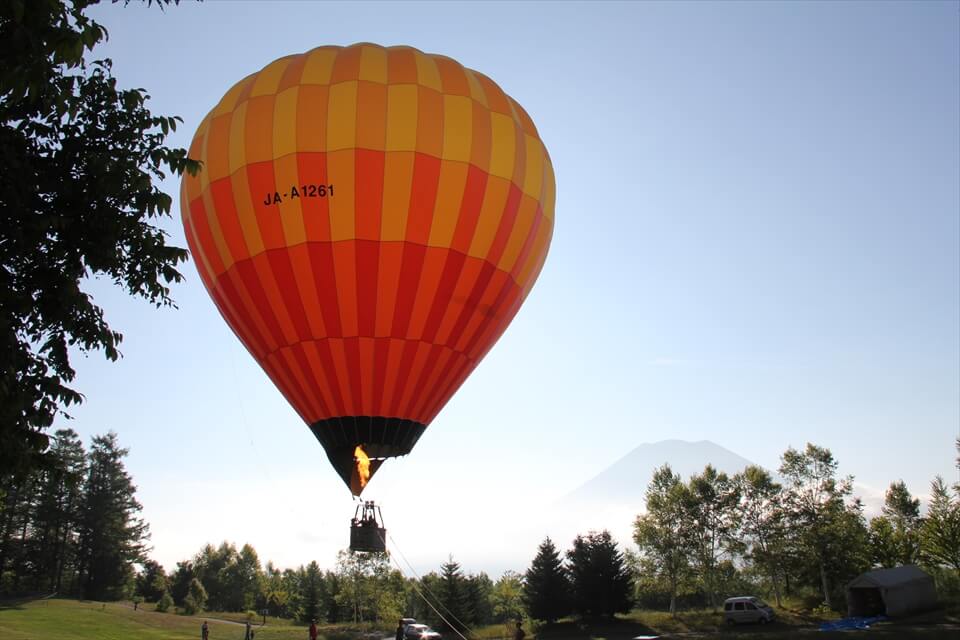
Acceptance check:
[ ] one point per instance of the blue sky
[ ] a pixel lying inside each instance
(757, 242)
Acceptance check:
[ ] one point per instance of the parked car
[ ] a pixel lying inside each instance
(747, 609)
(420, 632)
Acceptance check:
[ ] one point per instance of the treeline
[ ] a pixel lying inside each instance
(802, 533)
(364, 587)
(71, 525)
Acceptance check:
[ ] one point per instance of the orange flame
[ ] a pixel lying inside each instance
(363, 467)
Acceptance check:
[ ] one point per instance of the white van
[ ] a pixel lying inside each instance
(747, 609)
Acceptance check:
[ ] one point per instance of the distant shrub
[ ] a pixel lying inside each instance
(165, 602)
(196, 598)
(251, 615)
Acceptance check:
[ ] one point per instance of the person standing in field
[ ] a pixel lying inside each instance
(313, 629)
(399, 634)
(519, 633)
(204, 631)
(248, 633)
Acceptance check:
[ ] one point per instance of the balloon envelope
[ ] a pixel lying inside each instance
(368, 221)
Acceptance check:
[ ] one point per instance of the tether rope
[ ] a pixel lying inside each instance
(420, 593)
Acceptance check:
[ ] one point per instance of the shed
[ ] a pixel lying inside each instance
(893, 592)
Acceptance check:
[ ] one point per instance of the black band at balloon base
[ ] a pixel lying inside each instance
(380, 438)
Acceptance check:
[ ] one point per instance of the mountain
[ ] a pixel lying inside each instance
(625, 481)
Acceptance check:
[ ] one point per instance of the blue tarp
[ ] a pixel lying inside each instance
(849, 624)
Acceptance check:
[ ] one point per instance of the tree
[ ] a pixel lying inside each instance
(903, 512)
(80, 159)
(762, 523)
(165, 602)
(830, 533)
(241, 580)
(662, 533)
(331, 601)
(312, 592)
(452, 596)
(180, 581)
(714, 523)
(112, 534)
(940, 533)
(507, 597)
(196, 600)
(368, 589)
(601, 584)
(38, 519)
(58, 510)
(151, 581)
(211, 567)
(479, 594)
(884, 551)
(546, 585)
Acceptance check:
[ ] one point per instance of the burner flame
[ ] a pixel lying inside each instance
(362, 472)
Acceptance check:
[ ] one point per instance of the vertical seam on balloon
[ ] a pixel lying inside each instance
(420, 387)
(326, 361)
(250, 336)
(520, 157)
(309, 383)
(523, 220)
(527, 247)
(470, 307)
(232, 286)
(412, 375)
(288, 366)
(488, 311)
(351, 352)
(284, 276)
(276, 299)
(407, 356)
(490, 323)
(457, 375)
(443, 295)
(249, 282)
(308, 351)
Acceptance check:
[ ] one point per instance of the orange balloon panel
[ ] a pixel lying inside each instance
(368, 221)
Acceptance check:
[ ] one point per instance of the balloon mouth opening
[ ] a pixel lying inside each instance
(357, 446)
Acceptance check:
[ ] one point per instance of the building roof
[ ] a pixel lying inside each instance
(890, 577)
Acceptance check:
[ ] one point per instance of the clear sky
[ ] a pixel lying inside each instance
(757, 242)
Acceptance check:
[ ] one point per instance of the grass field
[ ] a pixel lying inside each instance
(76, 620)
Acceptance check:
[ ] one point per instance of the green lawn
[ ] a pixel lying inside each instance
(74, 620)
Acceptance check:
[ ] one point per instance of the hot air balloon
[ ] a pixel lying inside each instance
(368, 220)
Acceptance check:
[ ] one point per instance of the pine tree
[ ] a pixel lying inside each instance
(455, 606)
(546, 591)
(55, 517)
(600, 580)
(312, 592)
(112, 534)
(479, 592)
